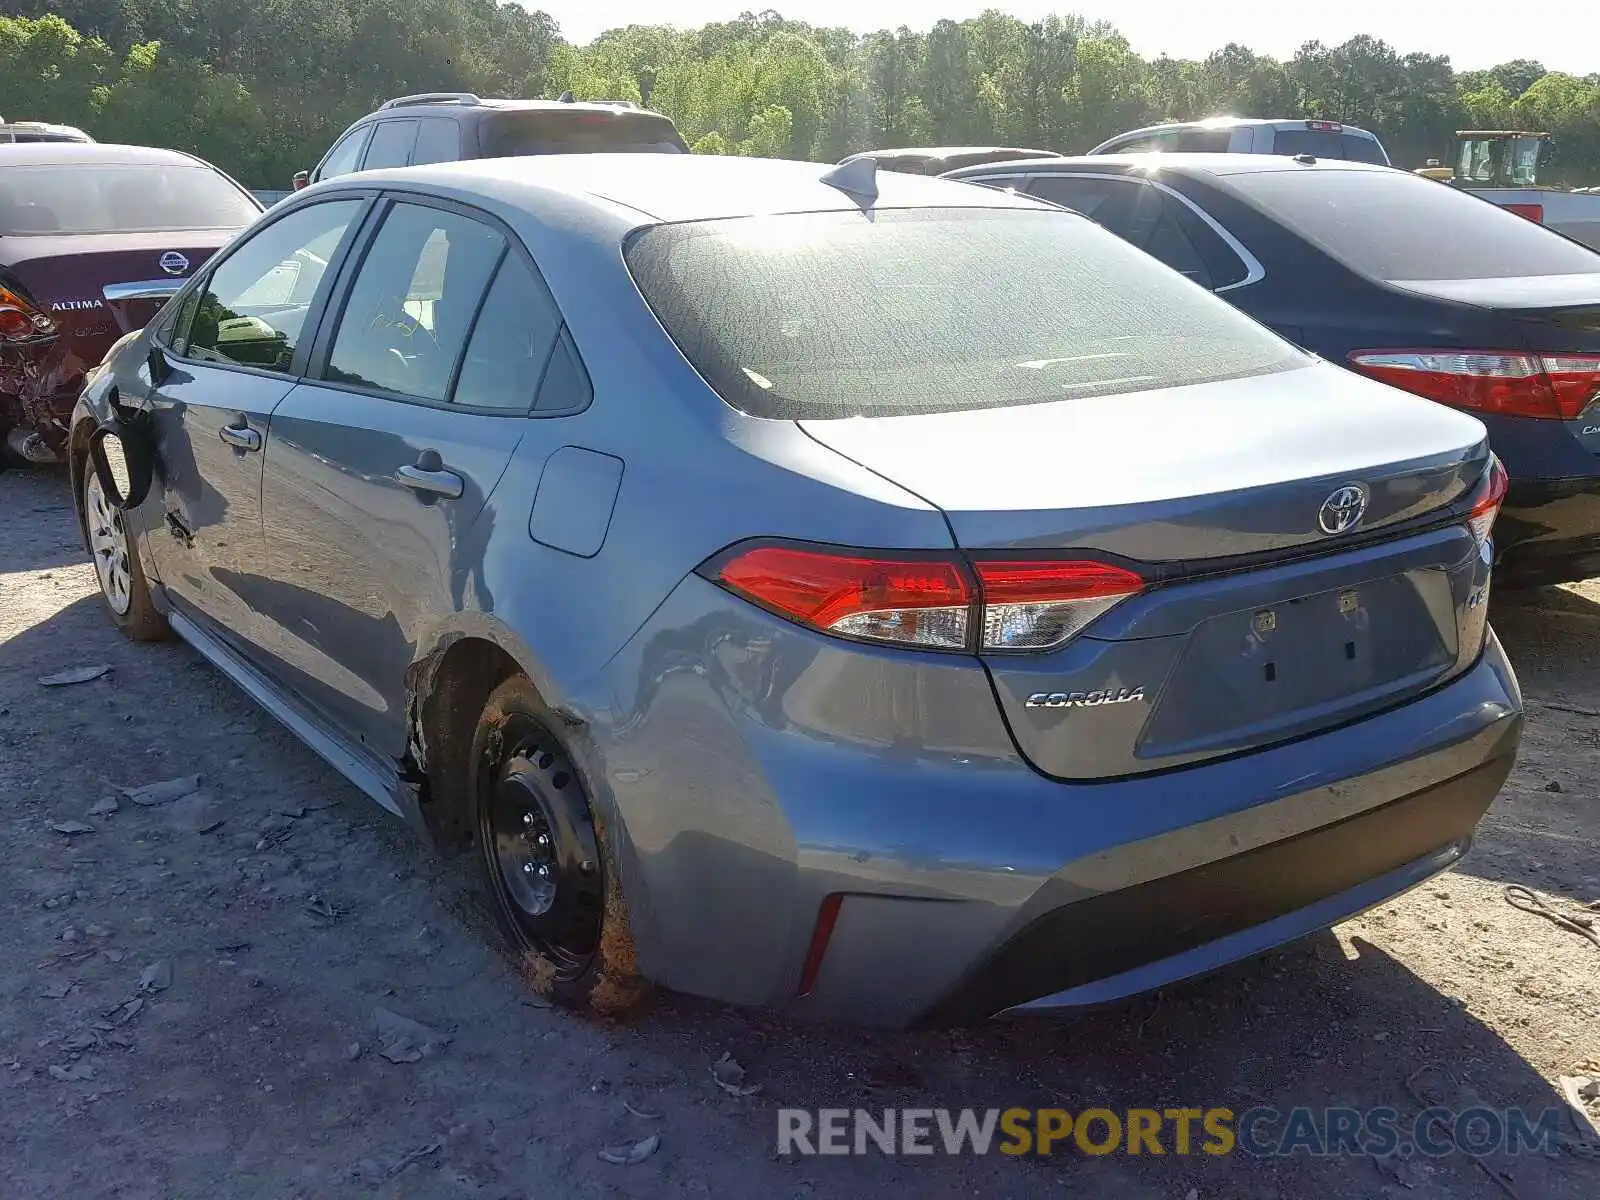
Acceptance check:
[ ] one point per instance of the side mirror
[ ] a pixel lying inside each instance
(301, 179)
(122, 455)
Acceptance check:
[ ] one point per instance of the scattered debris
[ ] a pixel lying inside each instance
(157, 977)
(105, 806)
(1407, 1172)
(70, 934)
(1569, 708)
(402, 1040)
(1577, 1089)
(72, 828)
(75, 675)
(56, 989)
(1530, 901)
(97, 931)
(642, 1114)
(121, 1014)
(417, 1155)
(164, 792)
(195, 813)
(294, 810)
(75, 1073)
(1553, 786)
(317, 906)
(77, 1043)
(729, 1076)
(627, 1154)
(352, 1051)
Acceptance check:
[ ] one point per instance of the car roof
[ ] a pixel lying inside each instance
(99, 154)
(1170, 162)
(1236, 122)
(487, 104)
(946, 151)
(682, 187)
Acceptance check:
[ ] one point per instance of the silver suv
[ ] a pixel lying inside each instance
(1241, 135)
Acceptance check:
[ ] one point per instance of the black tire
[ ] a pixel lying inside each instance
(558, 901)
(124, 591)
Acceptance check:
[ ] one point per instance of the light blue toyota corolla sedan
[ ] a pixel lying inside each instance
(873, 596)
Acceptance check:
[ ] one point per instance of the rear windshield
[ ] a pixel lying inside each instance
(898, 312)
(1324, 143)
(536, 131)
(1394, 225)
(63, 198)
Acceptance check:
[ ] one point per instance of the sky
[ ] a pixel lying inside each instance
(1562, 34)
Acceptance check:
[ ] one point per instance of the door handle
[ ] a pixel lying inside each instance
(431, 479)
(240, 436)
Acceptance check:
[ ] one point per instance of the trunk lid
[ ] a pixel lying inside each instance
(1553, 315)
(87, 282)
(1258, 625)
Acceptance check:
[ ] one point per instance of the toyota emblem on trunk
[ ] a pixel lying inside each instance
(1343, 510)
(174, 263)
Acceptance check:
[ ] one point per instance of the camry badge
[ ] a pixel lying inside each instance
(174, 263)
(1083, 699)
(1342, 511)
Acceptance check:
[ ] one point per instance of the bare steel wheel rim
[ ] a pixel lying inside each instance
(539, 841)
(108, 542)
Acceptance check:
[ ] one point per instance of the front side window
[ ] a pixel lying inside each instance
(893, 313)
(346, 156)
(413, 301)
(252, 310)
(105, 198)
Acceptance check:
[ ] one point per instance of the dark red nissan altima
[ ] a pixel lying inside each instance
(93, 239)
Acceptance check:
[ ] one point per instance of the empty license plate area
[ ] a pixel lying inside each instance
(1251, 676)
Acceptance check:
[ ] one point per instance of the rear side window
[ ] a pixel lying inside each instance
(119, 199)
(511, 342)
(1125, 207)
(391, 145)
(1397, 226)
(1324, 143)
(438, 140)
(898, 312)
(413, 301)
(520, 132)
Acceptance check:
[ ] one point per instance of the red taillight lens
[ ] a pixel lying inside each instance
(1534, 212)
(1035, 605)
(1490, 381)
(928, 601)
(20, 320)
(917, 602)
(1487, 508)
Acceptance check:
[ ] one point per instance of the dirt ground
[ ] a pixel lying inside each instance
(261, 947)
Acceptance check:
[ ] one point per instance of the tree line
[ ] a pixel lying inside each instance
(262, 88)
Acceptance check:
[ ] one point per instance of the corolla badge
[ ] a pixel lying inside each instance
(1342, 511)
(174, 263)
(1083, 699)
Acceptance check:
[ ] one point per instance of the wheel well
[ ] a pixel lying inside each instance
(77, 463)
(449, 690)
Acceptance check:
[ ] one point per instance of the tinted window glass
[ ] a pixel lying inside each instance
(510, 343)
(254, 305)
(566, 383)
(119, 199)
(438, 140)
(1170, 243)
(1126, 208)
(413, 300)
(583, 131)
(1395, 225)
(391, 145)
(1223, 267)
(1204, 141)
(344, 156)
(928, 310)
(1324, 143)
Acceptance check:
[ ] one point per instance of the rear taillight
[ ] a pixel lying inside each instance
(932, 601)
(20, 320)
(1515, 384)
(1487, 507)
(1037, 604)
(1533, 212)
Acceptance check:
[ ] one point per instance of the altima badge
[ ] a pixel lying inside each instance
(1083, 699)
(1343, 510)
